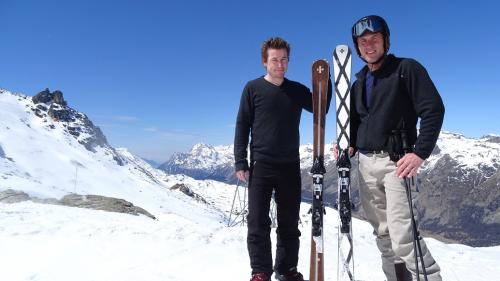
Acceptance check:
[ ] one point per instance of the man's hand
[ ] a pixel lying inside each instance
(336, 151)
(408, 165)
(243, 175)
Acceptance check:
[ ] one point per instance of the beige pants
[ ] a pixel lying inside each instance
(384, 201)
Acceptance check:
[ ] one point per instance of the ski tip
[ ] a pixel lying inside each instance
(321, 61)
(341, 54)
(341, 48)
(320, 69)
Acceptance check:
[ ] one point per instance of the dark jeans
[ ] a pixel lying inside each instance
(284, 179)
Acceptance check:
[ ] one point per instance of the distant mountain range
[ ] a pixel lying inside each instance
(203, 162)
(459, 183)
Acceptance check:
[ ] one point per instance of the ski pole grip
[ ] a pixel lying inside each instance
(404, 140)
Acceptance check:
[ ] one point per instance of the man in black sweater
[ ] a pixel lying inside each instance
(389, 96)
(269, 114)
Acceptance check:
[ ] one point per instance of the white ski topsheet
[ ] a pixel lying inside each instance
(342, 71)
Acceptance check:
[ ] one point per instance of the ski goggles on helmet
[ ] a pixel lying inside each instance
(371, 24)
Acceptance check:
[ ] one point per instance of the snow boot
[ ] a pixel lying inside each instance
(402, 273)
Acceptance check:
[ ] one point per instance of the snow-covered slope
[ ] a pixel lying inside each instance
(42, 158)
(468, 152)
(55, 243)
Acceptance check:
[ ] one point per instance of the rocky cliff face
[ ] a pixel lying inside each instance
(52, 105)
(461, 203)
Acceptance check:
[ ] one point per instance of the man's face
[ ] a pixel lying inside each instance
(371, 46)
(277, 62)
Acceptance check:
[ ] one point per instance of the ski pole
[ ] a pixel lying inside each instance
(232, 205)
(414, 230)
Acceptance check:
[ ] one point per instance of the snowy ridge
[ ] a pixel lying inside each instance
(203, 162)
(468, 152)
(203, 156)
(44, 160)
(141, 166)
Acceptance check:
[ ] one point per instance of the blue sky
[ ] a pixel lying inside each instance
(160, 76)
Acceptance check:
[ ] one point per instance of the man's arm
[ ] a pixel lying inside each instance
(307, 103)
(329, 97)
(242, 131)
(355, 119)
(430, 108)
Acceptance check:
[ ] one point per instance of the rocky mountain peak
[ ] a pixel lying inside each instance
(48, 97)
(202, 149)
(54, 112)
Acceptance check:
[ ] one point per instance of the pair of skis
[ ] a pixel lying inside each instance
(320, 75)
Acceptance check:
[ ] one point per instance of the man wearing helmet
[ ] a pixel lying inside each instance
(389, 95)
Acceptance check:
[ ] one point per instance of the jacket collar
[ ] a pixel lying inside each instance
(385, 65)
